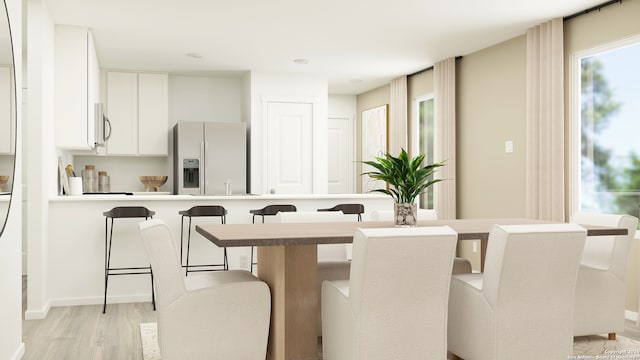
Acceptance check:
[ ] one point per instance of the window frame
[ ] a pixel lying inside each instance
(575, 96)
(415, 128)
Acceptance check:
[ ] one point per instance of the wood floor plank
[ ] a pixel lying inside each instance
(83, 332)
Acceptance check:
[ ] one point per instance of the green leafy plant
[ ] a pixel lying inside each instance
(407, 178)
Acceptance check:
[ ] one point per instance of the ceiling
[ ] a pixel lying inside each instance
(357, 45)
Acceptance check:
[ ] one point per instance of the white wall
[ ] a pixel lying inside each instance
(342, 106)
(267, 87)
(39, 151)
(11, 346)
(212, 99)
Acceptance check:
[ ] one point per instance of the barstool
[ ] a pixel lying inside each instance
(119, 213)
(213, 210)
(348, 209)
(269, 210)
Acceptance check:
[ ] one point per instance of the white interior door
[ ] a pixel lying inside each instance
(340, 156)
(289, 141)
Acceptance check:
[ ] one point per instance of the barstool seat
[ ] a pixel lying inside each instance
(348, 209)
(269, 210)
(199, 211)
(119, 213)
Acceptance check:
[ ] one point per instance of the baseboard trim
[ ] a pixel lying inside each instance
(99, 300)
(37, 314)
(94, 300)
(19, 353)
(630, 315)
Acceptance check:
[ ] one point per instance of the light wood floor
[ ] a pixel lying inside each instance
(84, 333)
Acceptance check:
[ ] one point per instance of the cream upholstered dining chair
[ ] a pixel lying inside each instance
(600, 291)
(333, 263)
(394, 306)
(216, 315)
(460, 265)
(521, 307)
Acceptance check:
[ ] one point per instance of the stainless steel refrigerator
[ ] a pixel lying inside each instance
(210, 158)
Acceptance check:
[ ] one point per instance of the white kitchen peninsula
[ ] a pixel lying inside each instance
(75, 266)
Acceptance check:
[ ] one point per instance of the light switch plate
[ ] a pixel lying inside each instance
(508, 147)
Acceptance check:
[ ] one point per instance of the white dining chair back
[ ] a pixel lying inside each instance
(523, 299)
(460, 265)
(601, 287)
(214, 315)
(395, 304)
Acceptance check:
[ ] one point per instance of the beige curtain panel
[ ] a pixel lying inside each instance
(545, 122)
(444, 192)
(398, 116)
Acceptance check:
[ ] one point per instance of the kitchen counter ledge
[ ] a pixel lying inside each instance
(200, 198)
(75, 241)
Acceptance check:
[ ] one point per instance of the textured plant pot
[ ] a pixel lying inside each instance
(405, 214)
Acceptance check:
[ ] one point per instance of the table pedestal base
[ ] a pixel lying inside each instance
(294, 300)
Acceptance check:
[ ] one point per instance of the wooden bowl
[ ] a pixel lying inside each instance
(153, 183)
(3, 180)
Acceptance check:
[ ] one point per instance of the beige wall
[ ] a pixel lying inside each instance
(491, 102)
(613, 23)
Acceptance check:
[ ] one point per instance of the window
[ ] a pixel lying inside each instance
(423, 128)
(607, 150)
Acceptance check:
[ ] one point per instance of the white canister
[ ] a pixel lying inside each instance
(103, 182)
(75, 185)
(89, 179)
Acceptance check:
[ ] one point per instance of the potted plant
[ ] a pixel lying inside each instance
(406, 179)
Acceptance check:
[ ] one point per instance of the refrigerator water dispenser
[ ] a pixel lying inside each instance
(191, 173)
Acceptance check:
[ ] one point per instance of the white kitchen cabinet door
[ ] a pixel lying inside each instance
(93, 90)
(153, 117)
(122, 111)
(6, 106)
(340, 156)
(289, 144)
(76, 84)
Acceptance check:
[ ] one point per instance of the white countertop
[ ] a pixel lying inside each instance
(240, 197)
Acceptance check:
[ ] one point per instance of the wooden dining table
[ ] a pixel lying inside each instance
(287, 262)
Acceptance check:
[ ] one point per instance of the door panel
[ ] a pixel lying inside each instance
(289, 148)
(340, 158)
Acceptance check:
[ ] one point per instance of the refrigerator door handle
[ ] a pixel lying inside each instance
(203, 165)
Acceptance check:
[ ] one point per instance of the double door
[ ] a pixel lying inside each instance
(137, 107)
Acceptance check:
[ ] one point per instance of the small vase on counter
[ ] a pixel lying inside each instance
(89, 179)
(103, 182)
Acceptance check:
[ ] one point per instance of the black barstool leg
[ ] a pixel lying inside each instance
(251, 261)
(181, 237)
(107, 259)
(251, 267)
(186, 271)
(153, 291)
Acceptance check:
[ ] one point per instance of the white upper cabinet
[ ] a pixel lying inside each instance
(77, 85)
(122, 111)
(153, 114)
(137, 106)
